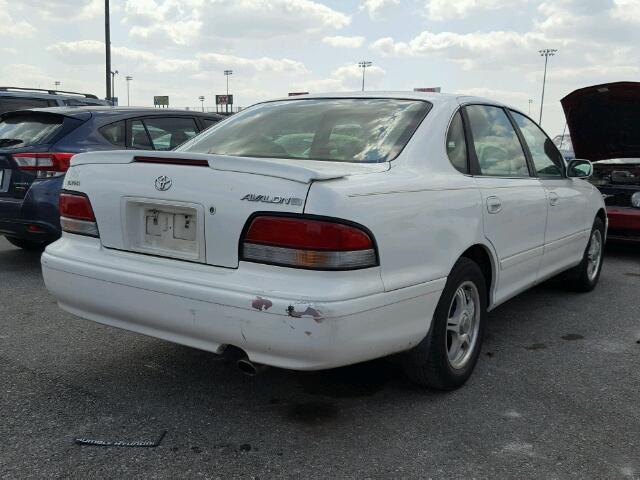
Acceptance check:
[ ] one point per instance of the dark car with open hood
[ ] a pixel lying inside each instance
(604, 122)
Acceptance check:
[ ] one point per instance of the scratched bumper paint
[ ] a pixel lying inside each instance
(286, 326)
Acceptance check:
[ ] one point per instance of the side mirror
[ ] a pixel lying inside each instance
(579, 168)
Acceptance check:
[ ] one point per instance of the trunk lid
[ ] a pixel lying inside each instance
(191, 206)
(604, 120)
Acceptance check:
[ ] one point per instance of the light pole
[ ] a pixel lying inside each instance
(226, 74)
(128, 78)
(364, 65)
(546, 53)
(113, 85)
(56, 84)
(530, 103)
(201, 98)
(107, 47)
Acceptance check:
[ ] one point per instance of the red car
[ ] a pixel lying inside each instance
(604, 121)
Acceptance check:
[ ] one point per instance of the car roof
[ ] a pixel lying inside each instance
(114, 112)
(433, 97)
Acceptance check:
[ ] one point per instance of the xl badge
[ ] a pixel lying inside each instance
(252, 197)
(163, 183)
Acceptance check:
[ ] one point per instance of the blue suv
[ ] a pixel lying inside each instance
(17, 98)
(36, 147)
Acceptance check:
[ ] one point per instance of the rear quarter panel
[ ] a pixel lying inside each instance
(422, 212)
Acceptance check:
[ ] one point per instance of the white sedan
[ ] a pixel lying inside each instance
(321, 231)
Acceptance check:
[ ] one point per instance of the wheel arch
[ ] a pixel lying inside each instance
(482, 256)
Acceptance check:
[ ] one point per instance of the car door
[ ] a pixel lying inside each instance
(568, 228)
(514, 202)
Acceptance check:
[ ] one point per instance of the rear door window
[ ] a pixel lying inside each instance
(168, 133)
(495, 142)
(139, 137)
(114, 133)
(9, 104)
(25, 130)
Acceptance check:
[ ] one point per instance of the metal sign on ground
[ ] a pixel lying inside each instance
(161, 101)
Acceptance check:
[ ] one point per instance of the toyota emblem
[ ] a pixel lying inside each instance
(163, 183)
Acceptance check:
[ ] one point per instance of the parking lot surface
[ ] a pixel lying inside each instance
(556, 394)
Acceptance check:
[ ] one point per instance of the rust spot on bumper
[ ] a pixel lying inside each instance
(309, 311)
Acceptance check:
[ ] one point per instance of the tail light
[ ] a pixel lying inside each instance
(47, 164)
(76, 214)
(307, 243)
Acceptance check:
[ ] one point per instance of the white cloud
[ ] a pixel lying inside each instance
(91, 51)
(377, 9)
(12, 27)
(626, 10)
(345, 78)
(63, 10)
(469, 49)
(344, 42)
(448, 9)
(190, 21)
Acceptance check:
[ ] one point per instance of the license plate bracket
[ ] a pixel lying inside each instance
(168, 229)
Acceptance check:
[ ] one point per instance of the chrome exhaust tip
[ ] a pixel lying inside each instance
(249, 368)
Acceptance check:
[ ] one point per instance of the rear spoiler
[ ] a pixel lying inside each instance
(302, 171)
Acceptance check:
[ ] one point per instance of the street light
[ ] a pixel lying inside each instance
(128, 78)
(56, 84)
(201, 98)
(226, 74)
(113, 85)
(530, 103)
(364, 65)
(107, 47)
(546, 53)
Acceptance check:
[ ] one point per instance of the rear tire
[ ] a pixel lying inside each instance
(26, 244)
(446, 357)
(584, 277)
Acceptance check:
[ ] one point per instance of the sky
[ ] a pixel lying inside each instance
(180, 48)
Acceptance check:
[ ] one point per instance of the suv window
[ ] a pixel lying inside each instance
(114, 133)
(168, 133)
(30, 129)
(496, 143)
(456, 145)
(9, 104)
(547, 159)
(139, 137)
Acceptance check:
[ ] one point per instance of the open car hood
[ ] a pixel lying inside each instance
(604, 121)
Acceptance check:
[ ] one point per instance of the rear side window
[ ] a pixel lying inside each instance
(27, 130)
(9, 104)
(368, 130)
(495, 142)
(164, 133)
(547, 159)
(139, 137)
(168, 133)
(209, 121)
(114, 133)
(456, 144)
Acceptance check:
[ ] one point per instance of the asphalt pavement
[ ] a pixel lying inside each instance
(556, 394)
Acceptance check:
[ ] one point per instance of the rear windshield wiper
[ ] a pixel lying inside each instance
(6, 142)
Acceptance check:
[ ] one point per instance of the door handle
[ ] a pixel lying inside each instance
(494, 205)
(553, 198)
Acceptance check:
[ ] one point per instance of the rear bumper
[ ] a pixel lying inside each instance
(34, 217)
(624, 223)
(322, 323)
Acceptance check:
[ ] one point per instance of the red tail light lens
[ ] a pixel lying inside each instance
(76, 214)
(308, 243)
(47, 164)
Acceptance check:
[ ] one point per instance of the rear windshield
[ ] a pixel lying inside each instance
(26, 130)
(339, 130)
